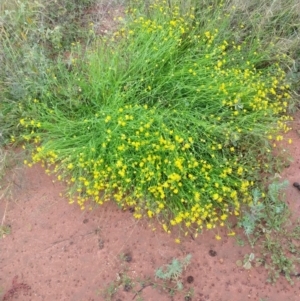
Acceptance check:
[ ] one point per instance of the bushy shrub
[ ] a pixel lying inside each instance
(172, 116)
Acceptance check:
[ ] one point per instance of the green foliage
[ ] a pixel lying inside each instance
(167, 278)
(10, 163)
(271, 210)
(32, 35)
(254, 215)
(268, 221)
(277, 209)
(110, 291)
(159, 117)
(3, 165)
(276, 260)
(173, 271)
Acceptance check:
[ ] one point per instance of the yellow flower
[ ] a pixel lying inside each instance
(208, 226)
(223, 217)
(150, 213)
(177, 240)
(137, 215)
(218, 237)
(215, 196)
(197, 196)
(240, 170)
(186, 146)
(107, 119)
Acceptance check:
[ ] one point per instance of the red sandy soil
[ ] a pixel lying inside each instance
(55, 251)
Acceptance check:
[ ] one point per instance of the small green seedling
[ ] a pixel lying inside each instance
(247, 262)
(4, 230)
(173, 271)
